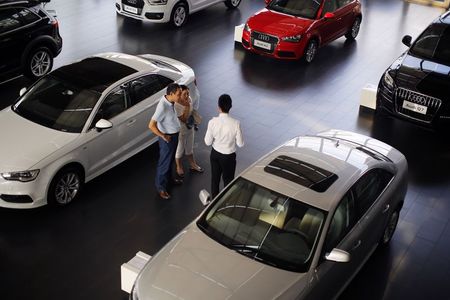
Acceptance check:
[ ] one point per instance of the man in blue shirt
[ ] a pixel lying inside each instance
(166, 126)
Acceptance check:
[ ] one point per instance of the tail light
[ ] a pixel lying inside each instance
(55, 24)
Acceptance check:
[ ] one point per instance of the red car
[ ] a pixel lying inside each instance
(290, 29)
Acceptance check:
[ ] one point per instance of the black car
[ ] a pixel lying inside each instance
(29, 39)
(416, 86)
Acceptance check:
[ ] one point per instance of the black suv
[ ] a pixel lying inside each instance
(417, 85)
(29, 39)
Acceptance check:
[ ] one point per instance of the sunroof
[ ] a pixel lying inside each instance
(302, 173)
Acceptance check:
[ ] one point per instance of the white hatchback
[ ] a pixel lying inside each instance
(79, 121)
(164, 11)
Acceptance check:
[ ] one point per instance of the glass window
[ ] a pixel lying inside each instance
(28, 16)
(300, 8)
(9, 20)
(57, 104)
(329, 6)
(369, 187)
(341, 3)
(344, 218)
(433, 44)
(147, 86)
(114, 104)
(264, 225)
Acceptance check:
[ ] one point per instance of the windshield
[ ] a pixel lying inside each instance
(264, 225)
(57, 104)
(433, 44)
(299, 8)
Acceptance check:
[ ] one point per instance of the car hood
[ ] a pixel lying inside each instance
(278, 24)
(424, 76)
(193, 266)
(25, 143)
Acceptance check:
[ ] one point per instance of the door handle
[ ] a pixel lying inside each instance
(356, 245)
(131, 122)
(386, 208)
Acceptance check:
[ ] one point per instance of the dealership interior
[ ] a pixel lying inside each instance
(75, 252)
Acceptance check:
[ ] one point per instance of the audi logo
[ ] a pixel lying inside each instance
(132, 1)
(418, 99)
(263, 37)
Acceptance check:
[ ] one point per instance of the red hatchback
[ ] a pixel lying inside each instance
(290, 29)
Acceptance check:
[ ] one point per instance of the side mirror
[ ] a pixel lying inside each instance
(22, 91)
(205, 197)
(267, 1)
(406, 40)
(103, 124)
(338, 255)
(328, 15)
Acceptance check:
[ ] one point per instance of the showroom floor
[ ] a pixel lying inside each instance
(76, 252)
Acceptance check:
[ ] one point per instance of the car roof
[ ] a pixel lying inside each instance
(16, 3)
(346, 160)
(93, 73)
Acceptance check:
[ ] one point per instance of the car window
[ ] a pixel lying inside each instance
(114, 104)
(146, 86)
(9, 20)
(434, 44)
(304, 8)
(264, 225)
(28, 16)
(57, 104)
(369, 187)
(341, 3)
(329, 6)
(344, 218)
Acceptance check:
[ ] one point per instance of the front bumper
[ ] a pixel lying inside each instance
(150, 13)
(278, 48)
(16, 194)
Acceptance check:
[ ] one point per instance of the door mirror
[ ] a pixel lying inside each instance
(406, 40)
(103, 124)
(338, 255)
(205, 197)
(267, 1)
(22, 91)
(328, 15)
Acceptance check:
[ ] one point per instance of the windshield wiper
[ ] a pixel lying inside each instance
(245, 248)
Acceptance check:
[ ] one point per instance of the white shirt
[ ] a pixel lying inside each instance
(224, 133)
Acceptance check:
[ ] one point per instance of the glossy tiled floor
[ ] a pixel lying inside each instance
(76, 252)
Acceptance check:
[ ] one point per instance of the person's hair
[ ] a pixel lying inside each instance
(225, 103)
(184, 87)
(172, 88)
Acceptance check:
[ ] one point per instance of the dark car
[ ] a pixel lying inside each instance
(416, 86)
(29, 39)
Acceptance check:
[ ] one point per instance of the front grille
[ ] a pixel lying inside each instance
(432, 104)
(134, 3)
(16, 198)
(267, 38)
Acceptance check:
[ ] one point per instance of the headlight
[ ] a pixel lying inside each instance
(157, 2)
(292, 39)
(23, 176)
(388, 80)
(247, 28)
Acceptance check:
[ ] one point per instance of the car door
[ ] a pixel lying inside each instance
(102, 147)
(12, 39)
(327, 27)
(345, 16)
(329, 277)
(145, 93)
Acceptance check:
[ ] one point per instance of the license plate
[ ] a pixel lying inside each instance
(262, 44)
(130, 9)
(421, 109)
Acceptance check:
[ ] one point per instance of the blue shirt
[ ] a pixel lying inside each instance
(166, 117)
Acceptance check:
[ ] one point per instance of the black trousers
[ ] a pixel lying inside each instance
(222, 166)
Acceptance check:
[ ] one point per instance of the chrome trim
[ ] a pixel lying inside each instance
(432, 103)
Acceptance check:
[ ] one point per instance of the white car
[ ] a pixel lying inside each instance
(297, 224)
(79, 121)
(164, 11)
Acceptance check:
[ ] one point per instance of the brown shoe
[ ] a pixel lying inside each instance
(164, 195)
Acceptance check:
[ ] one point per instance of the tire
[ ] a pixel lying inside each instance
(65, 186)
(179, 15)
(310, 51)
(38, 62)
(390, 228)
(232, 4)
(354, 30)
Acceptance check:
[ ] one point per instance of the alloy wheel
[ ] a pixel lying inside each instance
(355, 28)
(235, 3)
(40, 63)
(311, 51)
(67, 188)
(390, 227)
(179, 16)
